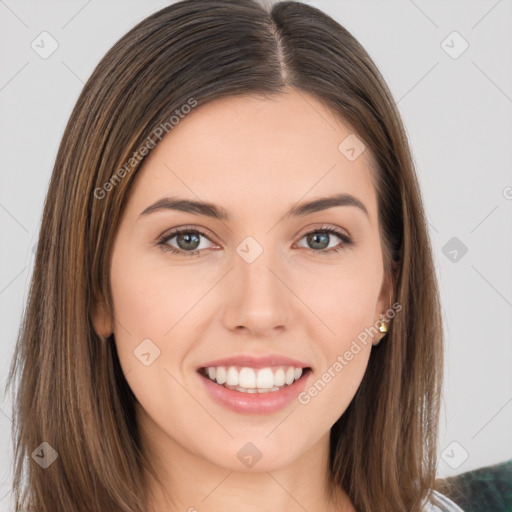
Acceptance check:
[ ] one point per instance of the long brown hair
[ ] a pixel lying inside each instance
(72, 393)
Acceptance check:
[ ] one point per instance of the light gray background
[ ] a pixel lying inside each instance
(458, 115)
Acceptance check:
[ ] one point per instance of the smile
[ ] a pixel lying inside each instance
(253, 380)
(254, 391)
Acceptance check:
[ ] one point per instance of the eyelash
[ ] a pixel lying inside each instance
(162, 242)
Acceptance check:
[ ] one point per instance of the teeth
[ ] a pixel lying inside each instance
(221, 375)
(232, 378)
(265, 379)
(246, 378)
(250, 380)
(279, 377)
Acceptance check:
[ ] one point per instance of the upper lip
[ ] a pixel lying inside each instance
(256, 361)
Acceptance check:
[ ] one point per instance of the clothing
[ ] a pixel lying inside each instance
(445, 504)
(485, 489)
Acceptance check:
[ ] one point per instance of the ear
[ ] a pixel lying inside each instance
(101, 319)
(385, 296)
(384, 303)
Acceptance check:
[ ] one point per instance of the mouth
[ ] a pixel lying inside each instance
(246, 379)
(248, 390)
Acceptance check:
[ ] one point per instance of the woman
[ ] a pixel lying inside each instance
(295, 361)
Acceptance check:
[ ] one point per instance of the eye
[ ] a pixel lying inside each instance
(320, 239)
(187, 241)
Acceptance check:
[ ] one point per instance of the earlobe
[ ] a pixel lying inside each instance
(383, 305)
(101, 320)
(382, 332)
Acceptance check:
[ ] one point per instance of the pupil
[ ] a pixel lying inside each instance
(323, 237)
(188, 238)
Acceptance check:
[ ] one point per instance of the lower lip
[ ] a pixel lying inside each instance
(255, 403)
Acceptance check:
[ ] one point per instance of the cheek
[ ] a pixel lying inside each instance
(343, 297)
(345, 348)
(149, 299)
(148, 307)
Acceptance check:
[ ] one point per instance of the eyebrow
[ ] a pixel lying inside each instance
(218, 212)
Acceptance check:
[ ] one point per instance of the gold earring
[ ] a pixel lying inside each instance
(383, 329)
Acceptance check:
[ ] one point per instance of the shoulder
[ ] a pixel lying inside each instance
(440, 503)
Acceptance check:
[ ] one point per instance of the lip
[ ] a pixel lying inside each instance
(255, 403)
(256, 361)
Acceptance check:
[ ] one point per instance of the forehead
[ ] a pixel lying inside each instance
(249, 151)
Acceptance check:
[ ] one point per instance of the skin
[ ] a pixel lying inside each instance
(256, 158)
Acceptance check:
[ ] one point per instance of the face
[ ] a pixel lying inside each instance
(257, 283)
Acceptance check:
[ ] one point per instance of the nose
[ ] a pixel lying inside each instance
(257, 297)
